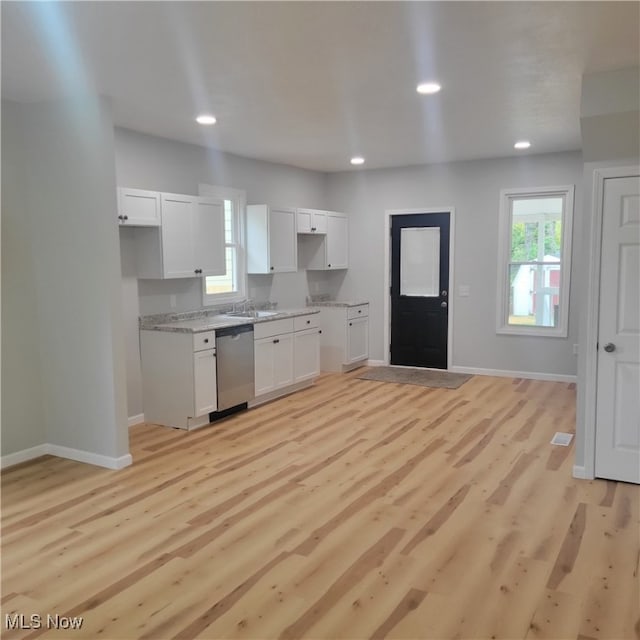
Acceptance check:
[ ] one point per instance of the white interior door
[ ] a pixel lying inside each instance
(618, 386)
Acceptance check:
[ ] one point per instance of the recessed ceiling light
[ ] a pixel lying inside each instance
(428, 87)
(206, 118)
(522, 144)
(357, 160)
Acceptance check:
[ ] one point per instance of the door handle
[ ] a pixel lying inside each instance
(444, 293)
(609, 347)
(443, 305)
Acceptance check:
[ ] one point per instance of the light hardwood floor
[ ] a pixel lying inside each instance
(354, 509)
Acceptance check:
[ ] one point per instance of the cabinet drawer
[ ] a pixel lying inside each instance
(204, 340)
(272, 328)
(305, 322)
(357, 312)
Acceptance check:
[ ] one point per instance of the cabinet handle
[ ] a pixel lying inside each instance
(198, 271)
(351, 324)
(328, 265)
(308, 321)
(120, 217)
(276, 341)
(126, 217)
(359, 310)
(313, 228)
(206, 340)
(271, 268)
(320, 331)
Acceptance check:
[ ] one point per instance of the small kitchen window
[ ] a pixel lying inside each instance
(534, 261)
(231, 286)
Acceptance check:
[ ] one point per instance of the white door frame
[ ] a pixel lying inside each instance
(593, 310)
(387, 275)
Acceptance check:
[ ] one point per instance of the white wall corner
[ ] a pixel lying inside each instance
(505, 373)
(133, 420)
(581, 472)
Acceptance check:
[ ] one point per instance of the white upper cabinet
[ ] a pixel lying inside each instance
(271, 239)
(209, 242)
(337, 241)
(311, 221)
(178, 233)
(138, 208)
(331, 250)
(190, 243)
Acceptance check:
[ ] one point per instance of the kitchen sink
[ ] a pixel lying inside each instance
(252, 314)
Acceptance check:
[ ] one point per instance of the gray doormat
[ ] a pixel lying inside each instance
(421, 377)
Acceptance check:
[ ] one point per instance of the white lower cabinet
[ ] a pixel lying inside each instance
(344, 341)
(273, 363)
(204, 381)
(357, 339)
(178, 377)
(306, 349)
(287, 355)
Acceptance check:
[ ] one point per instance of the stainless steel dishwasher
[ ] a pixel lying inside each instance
(235, 368)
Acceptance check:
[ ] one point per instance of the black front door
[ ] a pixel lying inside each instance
(420, 289)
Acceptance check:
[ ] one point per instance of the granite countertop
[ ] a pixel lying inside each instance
(339, 303)
(196, 322)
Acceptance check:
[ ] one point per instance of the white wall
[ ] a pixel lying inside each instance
(148, 162)
(67, 227)
(23, 424)
(473, 188)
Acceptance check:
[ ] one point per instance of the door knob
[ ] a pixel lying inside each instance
(444, 293)
(609, 347)
(443, 305)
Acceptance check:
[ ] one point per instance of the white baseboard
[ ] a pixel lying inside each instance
(581, 472)
(375, 363)
(25, 455)
(505, 373)
(89, 458)
(65, 452)
(133, 420)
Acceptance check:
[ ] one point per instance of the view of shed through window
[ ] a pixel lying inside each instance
(535, 264)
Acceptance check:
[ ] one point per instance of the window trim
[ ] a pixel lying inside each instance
(504, 259)
(239, 198)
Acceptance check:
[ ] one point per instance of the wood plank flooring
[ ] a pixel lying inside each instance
(353, 509)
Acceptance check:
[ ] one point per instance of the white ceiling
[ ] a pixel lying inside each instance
(312, 83)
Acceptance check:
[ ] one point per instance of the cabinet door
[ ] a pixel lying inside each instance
(306, 354)
(357, 339)
(303, 220)
(283, 360)
(283, 254)
(177, 236)
(264, 361)
(139, 208)
(319, 222)
(337, 242)
(209, 236)
(204, 382)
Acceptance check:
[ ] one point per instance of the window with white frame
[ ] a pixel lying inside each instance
(231, 286)
(534, 261)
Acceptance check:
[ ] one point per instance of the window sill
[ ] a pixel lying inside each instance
(534, 332)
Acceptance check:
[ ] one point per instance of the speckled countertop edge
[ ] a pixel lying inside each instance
(338, 303)
(198, 321)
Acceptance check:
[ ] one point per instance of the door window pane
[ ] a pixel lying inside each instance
(420, 262)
